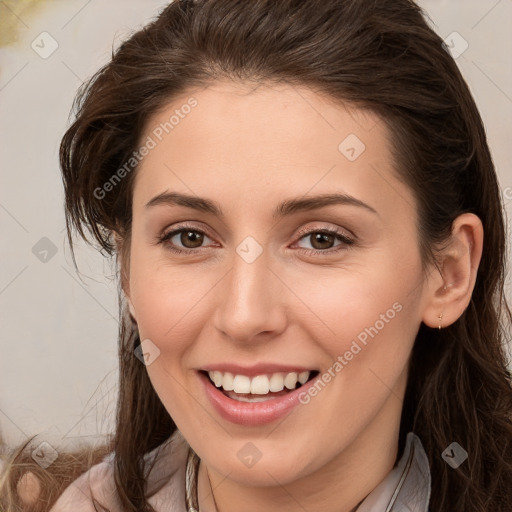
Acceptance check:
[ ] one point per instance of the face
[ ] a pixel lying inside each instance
(304, 312)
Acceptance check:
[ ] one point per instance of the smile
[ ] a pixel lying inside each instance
(239, 386)
(257, 399)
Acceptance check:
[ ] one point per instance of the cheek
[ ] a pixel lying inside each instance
(365, 319)
(366, 301)
(168, 299)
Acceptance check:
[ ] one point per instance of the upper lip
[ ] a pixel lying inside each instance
(256, 369)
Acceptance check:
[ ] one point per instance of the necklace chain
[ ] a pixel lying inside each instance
(191, 478)
(191, 495)
(211, 490)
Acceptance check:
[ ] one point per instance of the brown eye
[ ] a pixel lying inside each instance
(322, 240)
(184, 239)
(191, 239)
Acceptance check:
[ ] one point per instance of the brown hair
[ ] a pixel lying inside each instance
(52, 479)
(378, 55)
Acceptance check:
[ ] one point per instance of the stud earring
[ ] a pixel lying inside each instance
(440, 318)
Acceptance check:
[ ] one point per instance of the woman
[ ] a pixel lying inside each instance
(362, 371)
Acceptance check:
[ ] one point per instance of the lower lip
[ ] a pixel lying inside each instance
(252, 413)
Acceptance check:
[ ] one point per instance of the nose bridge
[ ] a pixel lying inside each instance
(251, 295)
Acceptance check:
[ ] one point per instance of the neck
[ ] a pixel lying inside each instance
(338, 486)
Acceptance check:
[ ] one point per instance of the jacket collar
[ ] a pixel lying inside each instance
(407, 486)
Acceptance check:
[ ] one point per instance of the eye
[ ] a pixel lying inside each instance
(322, 241)
(190, 238)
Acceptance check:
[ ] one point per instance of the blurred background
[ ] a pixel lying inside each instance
(58, 338)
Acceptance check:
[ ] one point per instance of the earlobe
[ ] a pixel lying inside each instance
(450, 290)
(124, 262)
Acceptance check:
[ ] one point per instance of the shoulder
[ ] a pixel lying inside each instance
(94, 486)
(165, 482)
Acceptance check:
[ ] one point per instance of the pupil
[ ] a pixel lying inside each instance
(322, 238)
(191, 237)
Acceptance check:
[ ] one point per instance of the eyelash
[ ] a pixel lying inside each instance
(346, 242)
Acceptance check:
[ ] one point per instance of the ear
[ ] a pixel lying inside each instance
(450, 290)
(124, 264)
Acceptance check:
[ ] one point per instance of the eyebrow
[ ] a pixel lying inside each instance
(286, 208)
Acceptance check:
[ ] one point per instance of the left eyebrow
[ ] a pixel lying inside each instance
(312, 203)
(286, 208)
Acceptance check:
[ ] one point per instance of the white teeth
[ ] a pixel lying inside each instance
(227, 381)
(276, 382)
(290, 381)
(303, 377)
(260, 384)
(241, 384)
(217, 378)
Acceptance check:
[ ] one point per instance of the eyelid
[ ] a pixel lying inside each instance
(186, 225)
(313, 229)
(350, 238)
(167, 235)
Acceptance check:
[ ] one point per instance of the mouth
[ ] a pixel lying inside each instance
(259, 388)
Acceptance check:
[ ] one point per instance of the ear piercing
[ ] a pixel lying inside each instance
(441, 315)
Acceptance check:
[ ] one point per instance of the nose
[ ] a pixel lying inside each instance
(251, 301)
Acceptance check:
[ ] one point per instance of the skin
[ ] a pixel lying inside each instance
(28, 488)
(248, 149)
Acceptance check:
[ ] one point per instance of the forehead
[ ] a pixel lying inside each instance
(265, 141)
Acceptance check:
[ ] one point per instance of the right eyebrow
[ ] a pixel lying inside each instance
(288, 207)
